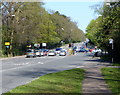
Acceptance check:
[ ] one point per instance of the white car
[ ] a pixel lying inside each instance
(42, 53)
(77, 49)
(51, 53)
(62, 53)
(37, 52)
(96, 50)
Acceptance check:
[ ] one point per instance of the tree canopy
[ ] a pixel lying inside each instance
(25, 23)
(105, 27)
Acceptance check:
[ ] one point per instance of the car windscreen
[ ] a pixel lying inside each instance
(29, 50)
(57, 49)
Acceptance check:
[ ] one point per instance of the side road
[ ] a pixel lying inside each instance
(94, 82)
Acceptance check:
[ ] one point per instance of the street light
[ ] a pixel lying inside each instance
(13, 15)
(62, 29)
(48, 30)
(107, 3)
(70, 35)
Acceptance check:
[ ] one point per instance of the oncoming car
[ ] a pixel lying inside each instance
(62, 53)
(37, 52)
(57, 50)
(30, 53)
(51, 53)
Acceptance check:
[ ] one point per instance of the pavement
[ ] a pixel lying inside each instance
(94, 83)
(4, 58)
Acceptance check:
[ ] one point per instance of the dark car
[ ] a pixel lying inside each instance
(57, 50)
(82, 49)
(38, 53)
(30, 53)
(44, 52)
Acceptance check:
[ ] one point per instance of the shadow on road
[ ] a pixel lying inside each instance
(34, 73)
(94, 60)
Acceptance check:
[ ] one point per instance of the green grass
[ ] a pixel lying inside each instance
(116, 64)
(112, 78)
(68, 81)
(106, 58)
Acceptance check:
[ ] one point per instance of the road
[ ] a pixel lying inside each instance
(19, 71)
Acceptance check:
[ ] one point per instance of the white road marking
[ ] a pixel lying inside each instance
(32, 64)
(41, 62)
(22, 63)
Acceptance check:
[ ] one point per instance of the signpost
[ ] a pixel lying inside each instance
(62, 43)
(37, 45)
(44, 44)
(7, 45)
(111, 42)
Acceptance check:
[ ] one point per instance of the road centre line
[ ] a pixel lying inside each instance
(30, 65)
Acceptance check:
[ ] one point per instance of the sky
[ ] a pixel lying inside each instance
(80, 12)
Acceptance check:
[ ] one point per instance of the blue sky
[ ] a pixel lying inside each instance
(80, 12)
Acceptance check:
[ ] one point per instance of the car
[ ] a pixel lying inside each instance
(57, 50)
(97, 52)
(38, 53)
(44, 52)
(62, 53)
(82, 49)
(91, 49)
(30, 53)
(51, 53)
(77, 49)
(64, 50)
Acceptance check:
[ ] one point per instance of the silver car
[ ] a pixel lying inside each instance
(62, 53)
(30, 53)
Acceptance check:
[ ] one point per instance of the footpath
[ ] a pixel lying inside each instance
(12, 57)
(94, 83)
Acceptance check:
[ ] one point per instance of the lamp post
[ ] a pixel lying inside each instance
(70, 35)
(12, 34)
(48, 30)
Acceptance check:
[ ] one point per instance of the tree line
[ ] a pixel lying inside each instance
(106, 27)
(27, 23)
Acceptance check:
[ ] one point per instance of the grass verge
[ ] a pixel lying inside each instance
(64, 82)
(106, 58)
(116, 64)
(112, 78)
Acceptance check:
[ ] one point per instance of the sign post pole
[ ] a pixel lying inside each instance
(111, 42)
(7, 45)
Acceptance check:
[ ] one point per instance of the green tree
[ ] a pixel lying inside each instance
(107, 27)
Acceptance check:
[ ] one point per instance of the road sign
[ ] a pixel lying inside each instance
(44, 44)
(7, 43)
(29, 46)
(36, 45)
(87, 40)
(7, 46)
(110, 41)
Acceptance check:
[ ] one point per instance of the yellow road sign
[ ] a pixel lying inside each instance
(7, 43)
